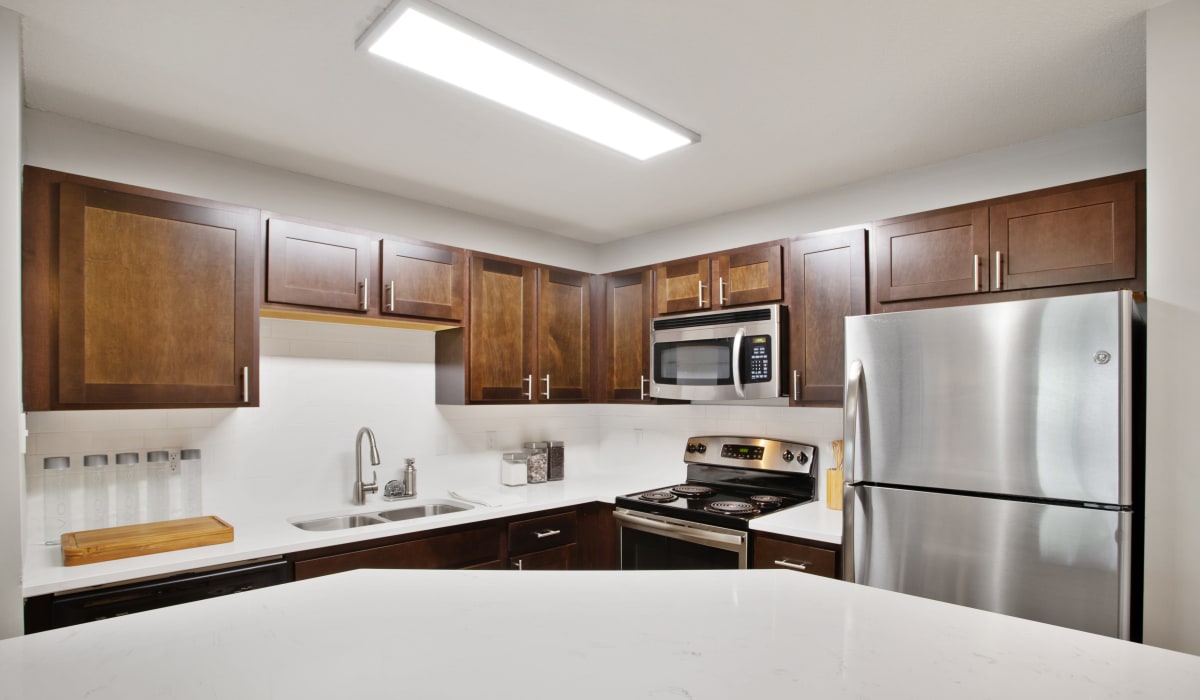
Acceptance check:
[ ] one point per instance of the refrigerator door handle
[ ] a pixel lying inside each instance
(854, 378)
(849, 504)
(737, 363)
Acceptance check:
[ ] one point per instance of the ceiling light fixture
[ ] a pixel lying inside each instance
(433, 40)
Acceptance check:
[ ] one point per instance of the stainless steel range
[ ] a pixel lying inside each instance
(704, 522)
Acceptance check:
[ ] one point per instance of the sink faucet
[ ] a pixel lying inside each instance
(360, 489)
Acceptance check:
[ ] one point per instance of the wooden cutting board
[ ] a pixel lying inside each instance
(90, 546)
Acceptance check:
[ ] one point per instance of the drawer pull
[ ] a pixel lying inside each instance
(795, 565)
(540, 534)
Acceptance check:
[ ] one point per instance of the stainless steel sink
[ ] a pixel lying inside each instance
(339, 522)
(343, 521)
(410, 512)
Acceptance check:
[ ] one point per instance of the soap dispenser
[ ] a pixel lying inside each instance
(410, 477)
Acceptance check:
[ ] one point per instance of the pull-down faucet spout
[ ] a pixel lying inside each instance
(360, 489)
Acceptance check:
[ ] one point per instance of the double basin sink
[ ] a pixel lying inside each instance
(391, 515)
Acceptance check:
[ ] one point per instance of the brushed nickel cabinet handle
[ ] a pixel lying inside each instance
(362, 303)
(546, 379)
(999, 266)
(518, 564)
(975, 286)
(540, 534)
(794, 565)
(700, 294)
(642, 387)
(245, 385)
(528, 394)
(795, 385)
(721, 290)
(392, 296)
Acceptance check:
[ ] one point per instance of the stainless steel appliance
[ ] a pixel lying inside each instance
(991, 458)
(719, 355)
(704, 522)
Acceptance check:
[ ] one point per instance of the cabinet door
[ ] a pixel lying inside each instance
(1086, 235)
(749, 276)
(157, 303)
(317, 266)
(771, 553)
(683, 286)
(501, 331)
(557, 559)
(629, 307)
(931, 255)
(564, 335)
(421, 280)
(828, 284)
(478, 547)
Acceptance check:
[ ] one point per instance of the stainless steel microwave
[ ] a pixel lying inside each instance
(719, 355)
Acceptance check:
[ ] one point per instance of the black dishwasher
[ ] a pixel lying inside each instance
(75, 608)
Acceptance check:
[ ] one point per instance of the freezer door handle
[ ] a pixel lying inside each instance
(854, 378)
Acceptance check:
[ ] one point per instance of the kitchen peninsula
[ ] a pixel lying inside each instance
(682, 634)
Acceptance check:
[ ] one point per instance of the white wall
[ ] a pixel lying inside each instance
(62, 143)
(1173, 185)
(11, 439)
(1092, 151)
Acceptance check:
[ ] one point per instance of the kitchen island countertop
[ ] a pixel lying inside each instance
(499, 634)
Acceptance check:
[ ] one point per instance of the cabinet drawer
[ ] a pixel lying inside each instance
(457, 550)
(536, 534)
(779, 554)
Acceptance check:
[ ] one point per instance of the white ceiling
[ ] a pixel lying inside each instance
(790, 96)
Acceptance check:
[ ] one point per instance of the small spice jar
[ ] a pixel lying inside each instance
(513, 469)
(538, 461)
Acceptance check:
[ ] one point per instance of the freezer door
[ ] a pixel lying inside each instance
(1064, 565)
(1027, 398)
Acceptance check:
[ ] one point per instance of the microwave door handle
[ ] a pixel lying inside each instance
(737, 363)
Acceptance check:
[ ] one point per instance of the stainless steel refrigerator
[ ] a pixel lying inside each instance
(990, 457)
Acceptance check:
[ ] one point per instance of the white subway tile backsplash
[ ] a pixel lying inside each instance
(321, 382)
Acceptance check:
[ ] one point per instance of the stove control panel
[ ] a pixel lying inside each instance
(751, 452)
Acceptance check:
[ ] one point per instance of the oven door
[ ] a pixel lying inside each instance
(654, 542)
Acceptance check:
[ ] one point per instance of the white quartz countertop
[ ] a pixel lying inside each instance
(266, 532)
(575, 634)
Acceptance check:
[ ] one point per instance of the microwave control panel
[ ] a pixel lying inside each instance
(758, 351)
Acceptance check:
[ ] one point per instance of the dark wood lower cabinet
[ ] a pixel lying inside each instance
(557, 559)
(779, 552)
(480, 546)
(566, 538)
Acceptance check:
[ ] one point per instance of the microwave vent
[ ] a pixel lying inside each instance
(714, 319)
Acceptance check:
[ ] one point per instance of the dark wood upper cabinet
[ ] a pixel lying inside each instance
(1074, 239)
(564, 335)
(829, 283)
(502, 324)
(752, 275)
(528, 334)
(317, 266)
(422, 280)
(136, 298)
(1085, 235)
(684, 286)
(930, 255)
(628, 310)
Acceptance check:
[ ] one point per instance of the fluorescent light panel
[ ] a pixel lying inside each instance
(437, 42)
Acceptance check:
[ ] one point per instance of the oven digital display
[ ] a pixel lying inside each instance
(742, 451)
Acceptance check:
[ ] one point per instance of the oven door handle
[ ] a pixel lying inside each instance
(730, 542)
(737, 363)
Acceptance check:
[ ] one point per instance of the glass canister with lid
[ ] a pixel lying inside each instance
(513, 469)
(538, 461)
